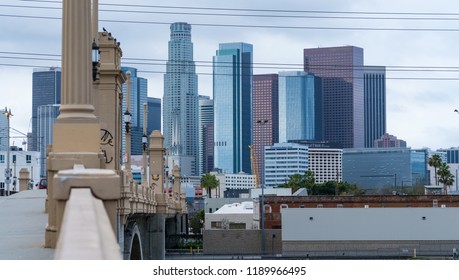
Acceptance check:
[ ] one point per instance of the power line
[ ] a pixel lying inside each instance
(262, 10)
(255, 65)
(308, 16)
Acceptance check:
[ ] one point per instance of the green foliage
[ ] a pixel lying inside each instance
(307, 181)
(446, 178)
(197, 222)
(209, 182)
(435, 162)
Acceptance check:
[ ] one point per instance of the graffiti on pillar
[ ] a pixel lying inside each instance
(106, 140)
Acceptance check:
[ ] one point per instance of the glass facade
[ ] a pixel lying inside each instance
(232, 81)
(341, 70)
(375, 103)
(300, 103)
(206, 121)
(180, 101)
(419, 163)
(46, 117)
(138, 96)
(376, 168)
(46, 90)
(3, 131)
(154, 114)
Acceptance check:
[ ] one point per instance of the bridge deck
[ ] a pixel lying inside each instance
(22, 226)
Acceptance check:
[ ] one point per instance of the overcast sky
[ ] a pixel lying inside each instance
(420, 109)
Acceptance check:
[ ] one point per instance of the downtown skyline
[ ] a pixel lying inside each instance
(415, 111)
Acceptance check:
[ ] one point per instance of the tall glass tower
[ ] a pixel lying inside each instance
(341, 69)
(300, 106)
(206, 123)
(138, 96)
(46, 90)
(232, 75)
(46, 117)
(180, 101)
(375, 103)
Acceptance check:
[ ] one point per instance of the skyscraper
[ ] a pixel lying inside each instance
(300, 106)
(265, 107)
(3, 131)
(154, 114)
(138, 96)
(46, 90)
(46, 117)
(180, 109)
(206, 134)
(232, 76)
(342, 71)
(375, 103)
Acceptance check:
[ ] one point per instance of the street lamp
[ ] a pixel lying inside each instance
(8, 115)
(127, 120)
(95, 59)
(262, 124)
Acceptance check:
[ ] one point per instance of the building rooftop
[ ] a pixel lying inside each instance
(245, 207)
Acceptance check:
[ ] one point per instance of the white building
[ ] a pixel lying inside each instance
(326, 163)
(231, 216)
(19, 160)
(283, 160)
(241, 181)
(370, 231)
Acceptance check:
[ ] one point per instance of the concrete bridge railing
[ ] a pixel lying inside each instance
(86, 230)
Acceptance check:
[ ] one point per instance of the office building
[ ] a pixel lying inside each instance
(46, 90)
(389, 141)
(374, 169)
(300, 106)
(282, 160)
(375, 103)
(265, 108)
(326, 164)
(154, 114)
(180, 109)
(341, 69)
(3, 131)
(138, 96)
(232, 80)
(206, 134)
(46, 117)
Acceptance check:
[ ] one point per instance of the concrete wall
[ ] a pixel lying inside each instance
(241, 242)
(328, 224)
(369, 232)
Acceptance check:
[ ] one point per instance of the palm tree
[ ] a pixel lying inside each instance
(435, 161)
(209, 182)
(446, 178)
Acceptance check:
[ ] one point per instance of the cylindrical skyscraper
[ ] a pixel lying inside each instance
(180, 109)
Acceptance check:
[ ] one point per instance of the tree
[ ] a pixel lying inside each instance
(209, 182)
(309, 178)
(435, 162)
(446, 178)
(197, 222)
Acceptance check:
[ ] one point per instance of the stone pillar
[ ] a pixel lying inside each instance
(107, 96)
(24, 179)
(156, 151)
(176, 184)
(76, 138)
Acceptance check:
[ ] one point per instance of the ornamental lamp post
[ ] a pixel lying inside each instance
(8, 115)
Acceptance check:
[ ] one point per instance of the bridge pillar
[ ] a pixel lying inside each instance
(157, 236)
(76, 131)
(24, 179)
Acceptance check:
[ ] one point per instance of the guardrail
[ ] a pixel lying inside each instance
(86, 232)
